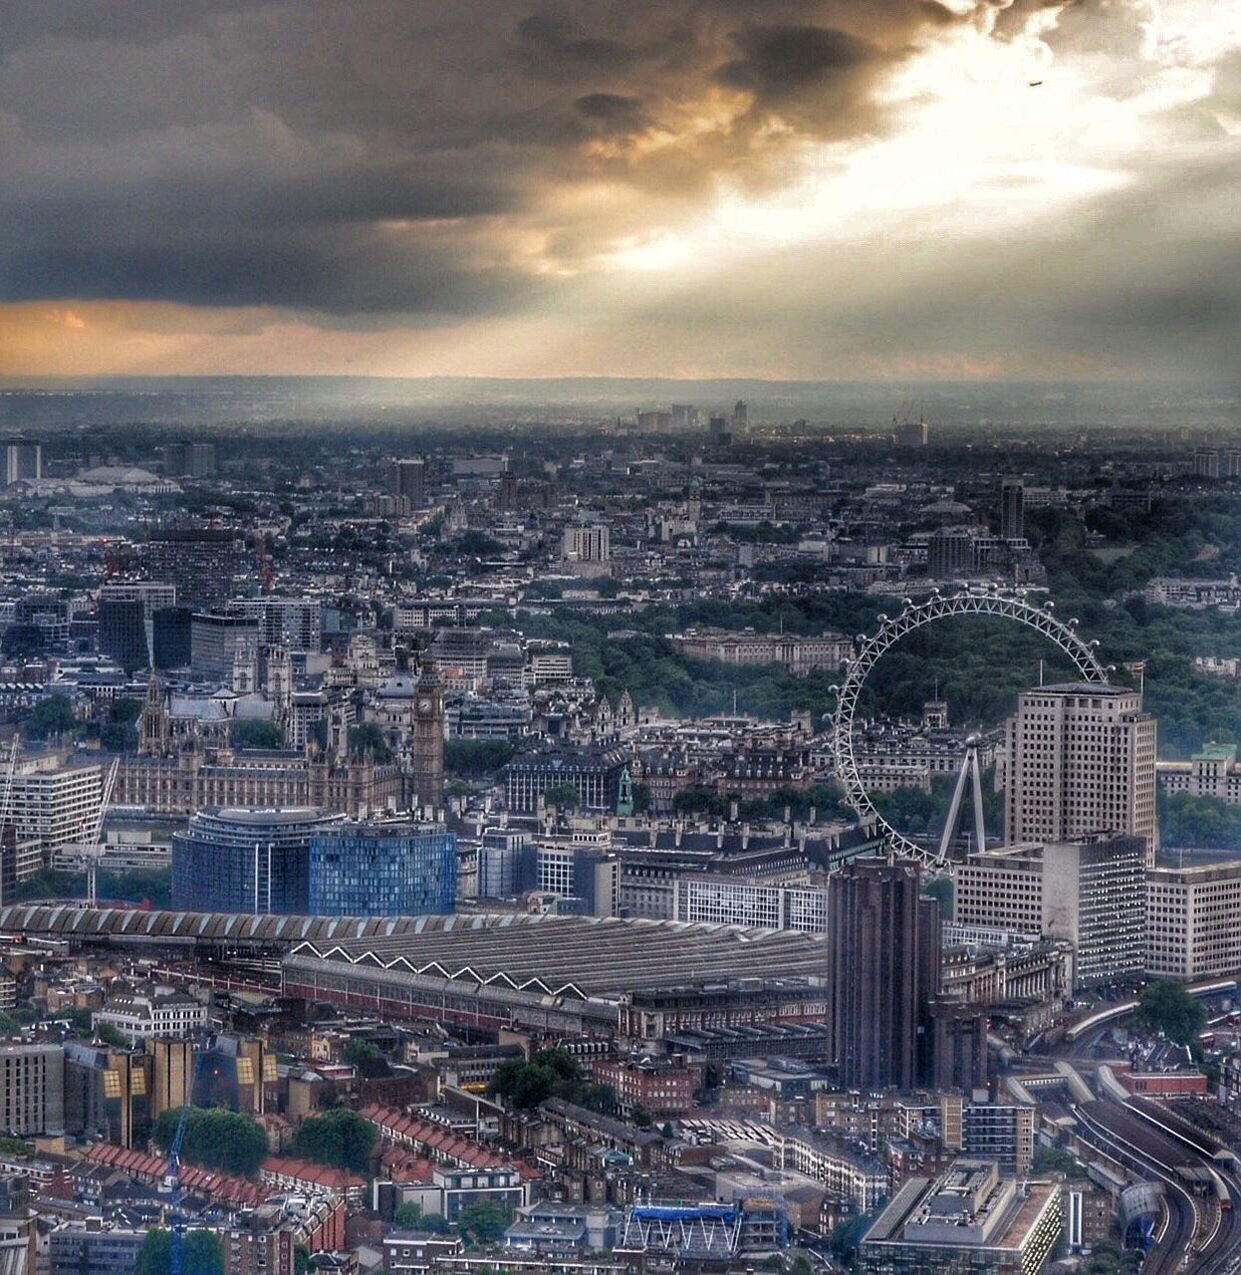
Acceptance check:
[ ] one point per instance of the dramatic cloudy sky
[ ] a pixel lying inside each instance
(652, 187)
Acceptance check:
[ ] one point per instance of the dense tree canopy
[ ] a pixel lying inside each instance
(215, 1138)
(200, 1253)
(340, 1137)
(551, 1073)
(1165, 1006)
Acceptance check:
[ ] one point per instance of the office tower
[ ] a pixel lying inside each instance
(55, 800)
(655, 422)
(1206, 462)
(1091, 893)
(717, 429)
(408, 478)
(950, 552)
(32, 1089)
(506, 495)
(214, 640)
(883, 961)
(171, 1067)
(202, 562)
(741, 418)
(239, 860)
(1080, 761)
(172, 637)
(499, 858)
(429, 737)
(912, 434)
(684, 416)
(1012, 509)
(293, 623)
(586, 548)
(383, 869)
(125, 620)
(22, 459)
(188, 460)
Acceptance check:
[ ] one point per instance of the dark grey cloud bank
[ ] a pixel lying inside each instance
(374, 160)
(352, 156)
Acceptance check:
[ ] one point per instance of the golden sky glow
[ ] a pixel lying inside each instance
(873, 188)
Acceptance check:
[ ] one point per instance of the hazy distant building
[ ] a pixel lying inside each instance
(912, 434)
(408, 478)
(1206, 462)
(202, 562)
(188, 460)
(1080, 761)
(951, 552)
(883, 962)
(1012, 509)
(586, 548)
(741, 418)
(23, 459)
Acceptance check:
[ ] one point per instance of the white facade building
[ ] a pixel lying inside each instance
(1080, 762)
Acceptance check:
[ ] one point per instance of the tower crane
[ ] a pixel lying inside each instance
(172, 1177)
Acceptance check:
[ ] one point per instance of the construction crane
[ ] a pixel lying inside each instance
(92, 845)
(172, 1178)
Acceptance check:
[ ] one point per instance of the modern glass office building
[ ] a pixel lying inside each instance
(383, 869)
(240, 860)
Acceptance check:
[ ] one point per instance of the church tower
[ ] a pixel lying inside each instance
(154, 728)
(429, 737)
(245, 667)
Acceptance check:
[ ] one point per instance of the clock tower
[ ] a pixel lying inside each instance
(429, 737)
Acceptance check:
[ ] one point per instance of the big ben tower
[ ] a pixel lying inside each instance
(429, 737)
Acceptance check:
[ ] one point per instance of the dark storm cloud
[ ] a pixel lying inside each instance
(387, 156)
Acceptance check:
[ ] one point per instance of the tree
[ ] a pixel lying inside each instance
(253, 732)
(52, 716)
(108, 1035)
(641, 1117)
(341, 1138)
(368, 736)
(200, 1253)
(483, 1223)
(410, 1217)
(562, 795)
(1165, 1006)
(358, 1051)
(477, 758)
(215, 1138)
(551, 1073)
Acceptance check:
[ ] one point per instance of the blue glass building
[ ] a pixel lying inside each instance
(238, 860)
(383, 869)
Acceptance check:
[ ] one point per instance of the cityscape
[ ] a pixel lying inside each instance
(620, 638)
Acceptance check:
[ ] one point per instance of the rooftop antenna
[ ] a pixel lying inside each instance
(1040, 672)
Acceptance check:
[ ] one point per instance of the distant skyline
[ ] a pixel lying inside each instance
(861, 189)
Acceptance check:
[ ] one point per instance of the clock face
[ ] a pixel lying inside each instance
(424, 705)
